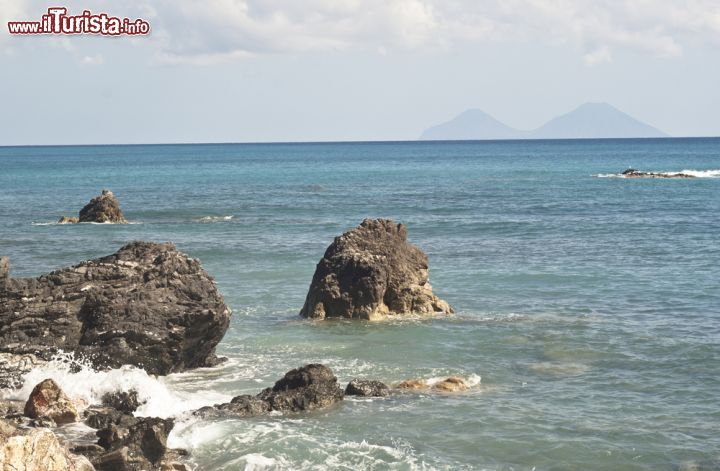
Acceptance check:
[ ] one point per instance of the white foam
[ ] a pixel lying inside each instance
(216, 218)
(694, 173)
(85, 386)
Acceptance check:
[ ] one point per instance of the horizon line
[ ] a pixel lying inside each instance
(379, 141)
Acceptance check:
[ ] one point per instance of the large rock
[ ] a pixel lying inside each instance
(48, 400)
(369, 272)
(367, 388)
(35, 450)
(147, 305)
(311, 387)
(103, 208)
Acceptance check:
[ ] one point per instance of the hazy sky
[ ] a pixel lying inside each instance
(292, 70)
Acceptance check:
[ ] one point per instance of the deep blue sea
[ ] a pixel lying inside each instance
(588, 307)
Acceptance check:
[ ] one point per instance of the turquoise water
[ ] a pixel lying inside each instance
(590, 307)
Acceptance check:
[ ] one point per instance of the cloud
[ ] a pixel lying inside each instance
(217, 30)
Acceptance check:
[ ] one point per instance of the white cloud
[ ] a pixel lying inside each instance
(216, 30)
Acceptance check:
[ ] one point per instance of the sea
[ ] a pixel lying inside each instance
(587, 305)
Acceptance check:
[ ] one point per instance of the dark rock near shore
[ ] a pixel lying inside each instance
(123, 401)
(311, 387)
(103, 208)
(147, 305)
(370, 272)
(139, 443)
(633, 173)
(367, 388)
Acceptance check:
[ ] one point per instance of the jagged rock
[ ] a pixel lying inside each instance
(368, 388)
(633, 173)
(147, 305)
(141, 445)
(103, 208)
(369, 272)
(4, 272)
(48, 400)
(123, 401)
(36, 449)
(68, 220)
(308, 388)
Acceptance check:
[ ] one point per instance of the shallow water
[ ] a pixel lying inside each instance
(590, 307)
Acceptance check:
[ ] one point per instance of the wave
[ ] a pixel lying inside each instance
(86, 386)
(207, 219)
(692, 173)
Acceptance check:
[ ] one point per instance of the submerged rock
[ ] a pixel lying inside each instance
(103, 208)
(36, 449)
(633, 173)
(48, 400)
(68, 220)
(367, 388)
(308, 388)
(147, 305)
(123, 401)
(449, 384)
(369, 272)
(412, 384)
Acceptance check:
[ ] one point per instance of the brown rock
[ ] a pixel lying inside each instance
(36, 449)
(48, 400)
(412, 384)
(370, 272)
(451, 384)
(103, 208)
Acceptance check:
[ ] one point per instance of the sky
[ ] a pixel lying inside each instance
(320, 70)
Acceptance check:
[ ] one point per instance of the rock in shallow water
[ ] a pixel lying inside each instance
(147, 305)
(311, 387)
(370, 272)
(367, 388)
(48, 400)
(103, 208)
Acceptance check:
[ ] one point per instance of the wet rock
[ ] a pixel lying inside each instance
(136, 444)
(412, 384)
(36, 449)
(48, 400)
(633, 173)
(370, 272)
(367, 388)
(103, 208)
(451, 384)
(308, 388)
(123, 401)
(4, 271)
(147, 305)
(68, 220)
(13, 366)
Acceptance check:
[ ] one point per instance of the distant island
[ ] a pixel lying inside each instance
(588, 121)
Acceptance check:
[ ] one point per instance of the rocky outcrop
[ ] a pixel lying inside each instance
(147, 305)
(370, 272)
(48, 400)
(308, 388)
(632, 173)
(367, 388)
(4, 272)
(36, 449)
(103, 208)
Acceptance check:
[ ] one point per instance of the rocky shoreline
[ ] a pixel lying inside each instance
(153, 307)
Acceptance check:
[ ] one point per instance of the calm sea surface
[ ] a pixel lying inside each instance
(589, 307)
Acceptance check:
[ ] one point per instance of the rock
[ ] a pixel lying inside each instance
(147, 305)
(13, 366)
(140, 445)
(103, 208)
(412, 384)
(632, 173)
(36, 449)
(4, 272)
(308, 388)
(370, 272)
(68, 220)
(123, 401)
(48, 400)
(451, 384)
(367, 388)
